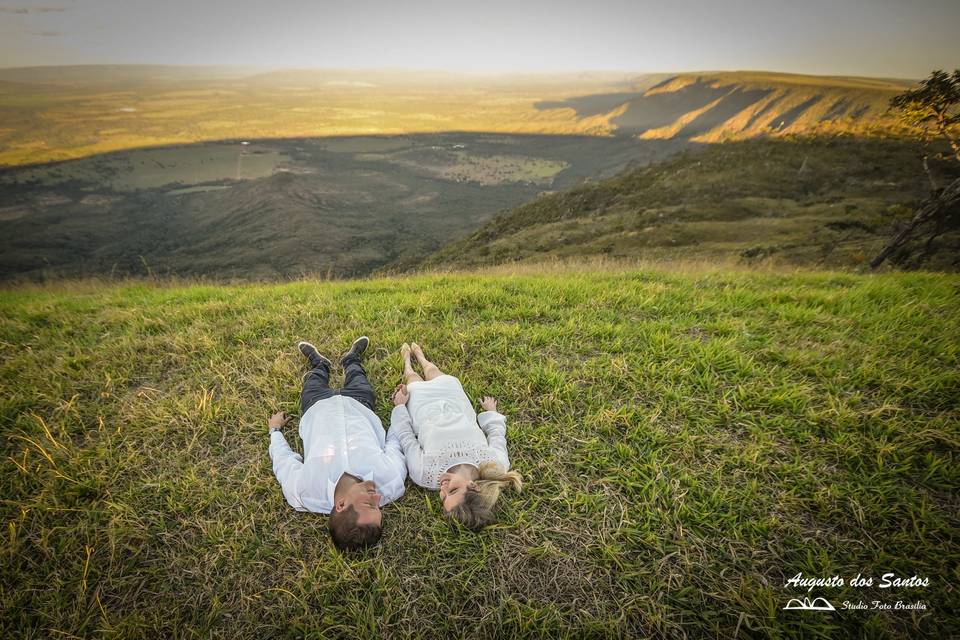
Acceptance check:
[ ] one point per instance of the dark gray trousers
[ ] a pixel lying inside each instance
(316, 385)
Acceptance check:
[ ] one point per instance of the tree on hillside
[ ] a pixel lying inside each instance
(933, 110)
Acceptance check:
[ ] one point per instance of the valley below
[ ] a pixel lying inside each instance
(262, 209)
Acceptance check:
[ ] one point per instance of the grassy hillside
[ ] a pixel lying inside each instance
(690, 441)
(813, 201)
(714, 107)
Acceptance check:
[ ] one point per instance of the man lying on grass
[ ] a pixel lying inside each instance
(349, 468)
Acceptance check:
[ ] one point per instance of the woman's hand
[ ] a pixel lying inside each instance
(278, 420)
(400, 395)
(488, 403)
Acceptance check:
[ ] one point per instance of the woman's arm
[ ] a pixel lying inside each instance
(395, 467)
(392, 482)
(401, 431)
(494, 425)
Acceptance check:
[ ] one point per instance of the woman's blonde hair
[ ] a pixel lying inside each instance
(475, 511)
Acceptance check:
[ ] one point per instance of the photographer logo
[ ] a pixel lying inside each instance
(810, 604)
(886, 581)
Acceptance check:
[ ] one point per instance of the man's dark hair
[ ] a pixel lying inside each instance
(348, 535)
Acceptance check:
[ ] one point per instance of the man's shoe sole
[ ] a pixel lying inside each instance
(353, 348)
(315, 356)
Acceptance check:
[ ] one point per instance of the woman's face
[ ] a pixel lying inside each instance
(453, 487)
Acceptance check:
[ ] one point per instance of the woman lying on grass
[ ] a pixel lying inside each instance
(448, 446)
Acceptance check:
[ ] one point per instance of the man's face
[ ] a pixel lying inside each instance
(363, 497)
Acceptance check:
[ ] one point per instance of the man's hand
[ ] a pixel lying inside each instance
(488, 403)
(400, 395)
(278, 420)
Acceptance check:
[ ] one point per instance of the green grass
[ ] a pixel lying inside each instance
(689, 440)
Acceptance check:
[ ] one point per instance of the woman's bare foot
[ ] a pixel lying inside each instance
(430, 370)
(418, 352)
(409, 375)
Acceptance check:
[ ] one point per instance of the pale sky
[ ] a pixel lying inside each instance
(891, 38)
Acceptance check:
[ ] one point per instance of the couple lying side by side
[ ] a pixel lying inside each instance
(350, 467)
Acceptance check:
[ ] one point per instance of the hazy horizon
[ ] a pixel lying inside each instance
(441, 71)
(869, 38)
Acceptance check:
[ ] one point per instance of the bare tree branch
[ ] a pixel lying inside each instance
(933, 109)
(938, 206)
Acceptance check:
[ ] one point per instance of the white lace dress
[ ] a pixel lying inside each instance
(439, 429)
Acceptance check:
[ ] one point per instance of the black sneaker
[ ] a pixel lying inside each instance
(357, 348)
(311, 353)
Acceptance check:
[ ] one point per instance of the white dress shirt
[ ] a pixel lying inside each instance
(339, 435)
(439, 429)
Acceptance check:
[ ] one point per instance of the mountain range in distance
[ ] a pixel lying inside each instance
(714, 107)
(59, 113)
(226, 173)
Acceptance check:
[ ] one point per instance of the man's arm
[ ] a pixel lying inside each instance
(287, 465)
(494, 425)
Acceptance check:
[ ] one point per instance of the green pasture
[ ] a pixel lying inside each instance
(690, 440)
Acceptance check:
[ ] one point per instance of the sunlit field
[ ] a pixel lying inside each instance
(43, 123)
(690, 440)
(73, 113)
